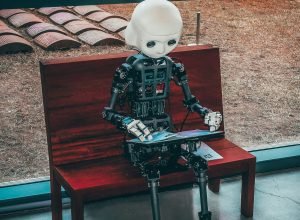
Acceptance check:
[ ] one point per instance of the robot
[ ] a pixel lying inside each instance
(143, 81)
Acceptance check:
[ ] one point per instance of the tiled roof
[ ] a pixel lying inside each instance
(55, 28)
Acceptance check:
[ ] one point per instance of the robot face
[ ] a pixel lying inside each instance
(155, 28)
(158, 46)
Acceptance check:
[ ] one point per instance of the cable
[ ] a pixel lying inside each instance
(186, 116)
(171, 117)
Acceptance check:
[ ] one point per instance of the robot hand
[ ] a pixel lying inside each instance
(137, 128)
(213, 120)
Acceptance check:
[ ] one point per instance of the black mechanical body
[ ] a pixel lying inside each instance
(144, 83)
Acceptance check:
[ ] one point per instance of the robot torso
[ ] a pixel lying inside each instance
(149, 89)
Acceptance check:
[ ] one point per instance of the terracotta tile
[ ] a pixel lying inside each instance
(114, 24)
(8, 31)
(2, 24)
(122, 33)
(40, 28)
(86, 9)
(6, 13)
(24, 20)
(62, 18)
(101, 16)
(55, 41)
(13, 44)
(95, 38)
(77, 27)
(52, 10)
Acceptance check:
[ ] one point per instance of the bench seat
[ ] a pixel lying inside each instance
(115, 176)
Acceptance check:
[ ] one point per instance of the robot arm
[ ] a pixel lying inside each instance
(120, 83)
(212, 119)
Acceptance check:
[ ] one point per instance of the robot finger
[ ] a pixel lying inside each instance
(206, 119)
(144, 130)
(137, 133)
(132, 124)
(212, 128)
(219, 117)
(141, 126)
(142, 138)
(149, 136)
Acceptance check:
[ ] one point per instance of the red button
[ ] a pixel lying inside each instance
(160, 88)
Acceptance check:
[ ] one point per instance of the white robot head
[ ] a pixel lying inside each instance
(155, 28)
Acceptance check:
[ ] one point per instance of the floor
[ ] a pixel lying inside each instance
(277, 196)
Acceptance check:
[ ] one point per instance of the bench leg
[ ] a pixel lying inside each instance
(56, 200)
(77, 207)
(248, 181)
(214, 185)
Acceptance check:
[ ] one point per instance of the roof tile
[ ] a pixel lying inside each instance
(86, 9)
(122, 33)
(6, 13)
(13, 44)
(2, 24)
(62, 18)
(77, 27)
(55, 41)
(101, 16)
(40, 28)
(52, 10)
(114, 24)
(8, 31)
(95, 38)
(24, 20)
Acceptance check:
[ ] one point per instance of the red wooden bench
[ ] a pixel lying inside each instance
(85, 151)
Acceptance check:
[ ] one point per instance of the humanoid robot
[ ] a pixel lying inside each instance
(144, 79)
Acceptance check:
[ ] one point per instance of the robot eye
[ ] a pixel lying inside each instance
(151, 44)
(171, 42)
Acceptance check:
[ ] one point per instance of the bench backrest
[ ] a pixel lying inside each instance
(75, 90)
